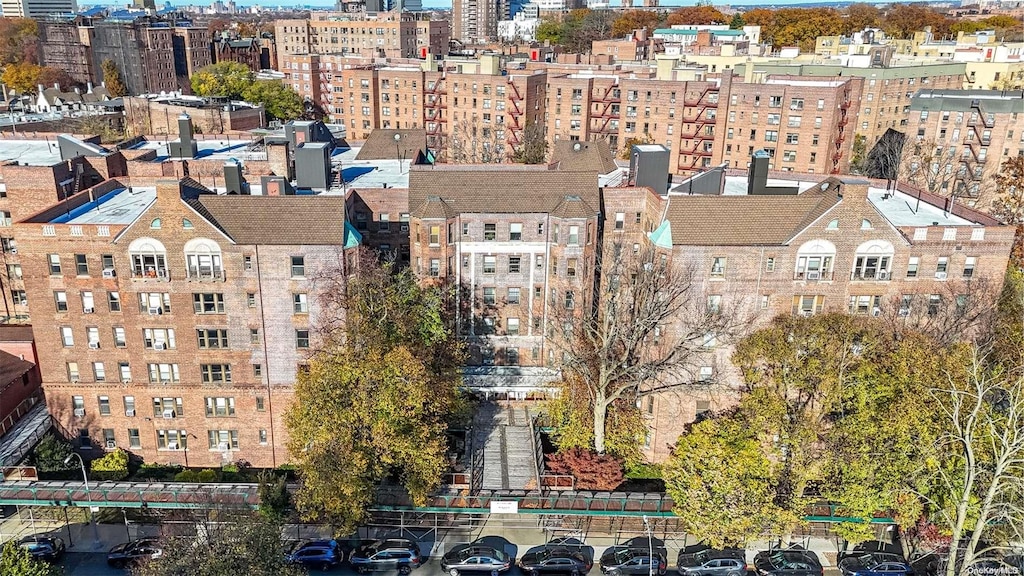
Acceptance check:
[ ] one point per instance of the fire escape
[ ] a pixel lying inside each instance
(703, 129)
(974, 152)
(326, 97)
(607, 108)
(515, 113)
(434, 104)
(844, 120)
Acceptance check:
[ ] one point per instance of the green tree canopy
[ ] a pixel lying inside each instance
(19, 41)
(223, 79)
(279, 100)
(16, 561)
(51, 452)
(112, 79)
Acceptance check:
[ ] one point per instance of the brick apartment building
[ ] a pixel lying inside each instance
(175, 320)
(67, 44)
(246, 51)
(191, 52)
(968, 134)
(144, 55)
(390, 35)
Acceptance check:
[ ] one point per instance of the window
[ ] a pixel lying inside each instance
(133, 438)
(942, 267)
(570, 267)
(515, 232)
(257, 371)
(215, 373)
(384, 222)
(574, 235)
(718, 266)
(263, 436)
(223, 439)
(148, 258)
(512, 356)
(934, 303)
(865, 304)
(513, 296)
(977, 234)
(158, 338)
(254, 335)
(250, 299)
(300, 304)
(203, 259)
(155, 224)
(155, 303)
(81, 265)
(247, 262)
(435, 267)
(163, 373)
(73, 374)
(212, 338)
(949, 234)
(765, 300)
(539, 261)
(99, 371)
(570, 300)
(208, 303)
(465, 228)
(490, 232)
(490, 264)
(792, 138)
(620, 220)
(60, 299)
(865, 224)
(515, 264)
(54, 264)
(125, 371)
(490, 295)
(119, 338)
(220, 406)
(769, 264)
(920, 233)
(435, 235)
(808, 305)
(171, 440)
(512, 326)
(912, 265)
(771, 136)
(104, 402)
(969, 264)
(298, 266)
(66, 337)
(88, 303)
(871, 267)
(114, 301)
(706, 374)
(302, 338)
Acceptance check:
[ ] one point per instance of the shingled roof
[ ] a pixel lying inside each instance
(12, 368)
(746, 220)
(508, 190)
(576, 156)
(280, 220)
(381, 145)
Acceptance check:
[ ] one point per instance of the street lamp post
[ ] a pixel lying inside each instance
(650, 547)
(88, 494)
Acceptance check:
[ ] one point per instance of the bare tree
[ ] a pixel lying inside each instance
(981, 483)
(471, 142)
(960, 311)
(646, 329)
(947, 169)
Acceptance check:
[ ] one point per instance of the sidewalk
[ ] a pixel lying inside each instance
(81, 537)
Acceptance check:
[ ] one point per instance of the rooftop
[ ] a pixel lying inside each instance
(806, 83)
(905, 210)
(30, 152)
(961, 100)
(119, 206)
(369, 173)
(226, 149)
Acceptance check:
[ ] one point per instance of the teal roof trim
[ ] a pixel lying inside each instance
(352, 236)
(662, 237)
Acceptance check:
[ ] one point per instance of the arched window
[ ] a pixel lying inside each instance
(186, 224)
(873, 260)
(149, 258)
(833, 224)
(865, 224)
(155, 224)
(814, 260)
(204, 259)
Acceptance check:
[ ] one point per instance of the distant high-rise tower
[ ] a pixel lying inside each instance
(477, 20)
(144, 4)
(37, 8)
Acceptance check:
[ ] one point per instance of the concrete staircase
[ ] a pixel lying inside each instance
(504, 435)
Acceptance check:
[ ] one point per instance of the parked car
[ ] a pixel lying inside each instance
(875, 564)
(787, 563)
(132, 552)
(557, 560)
(322, 554)
(624, 560)
(393, 554)
(475, 558)
(46, 548)
(710, 562)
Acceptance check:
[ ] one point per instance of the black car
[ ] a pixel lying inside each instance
(875, 564)
(393, 554)
(624, 560)
(46, 548)
(787, 563)
(135, 551)
(558, 560)
(322, 554)
(474, 558)
(709, 562)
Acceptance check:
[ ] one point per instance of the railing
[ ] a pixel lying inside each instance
(813, 276)
(557, 482)
(151, 273)
(205, 273)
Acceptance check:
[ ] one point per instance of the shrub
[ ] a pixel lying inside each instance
(157, 472)
(50, 453)
(592, 471)
(187, 476)
(208, 476)
(113, 466)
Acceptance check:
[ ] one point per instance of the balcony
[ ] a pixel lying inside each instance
(206, 273)
(871, 276)
(151, 273)
(813, 276)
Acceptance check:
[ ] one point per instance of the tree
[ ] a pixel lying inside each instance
(577, 30)
(902, 20)
(860, 16)
(246, 545)
(378, 395)
(275, 499)
(23, 77)
(16, 561)
(49, 76)
(533, 145)
(795, 26)
(721, 482)
(591, 470)
(647, 330)
(945, 170)
(1009, 203)
(627, 146)
(980, 477)
(279, 100)
(223, 79)
(473, 143)
(737, 22)
(112, 79)
(703, 14)
(51, 452)
(550, 30)
(113, 466)
(19, 41)
(631, 20)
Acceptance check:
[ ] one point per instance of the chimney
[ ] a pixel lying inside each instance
(56, 86)
(757, 175)
(648, 166)
(40, 87)
(185, 146)
(88, 87)
(78, 90)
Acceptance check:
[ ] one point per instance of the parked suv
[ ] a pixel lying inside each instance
(322, 554)
(47, 548)
(394, 554)
(709, 562)
(874, 564)
(473, 558)
(626, 561)
(789, 562)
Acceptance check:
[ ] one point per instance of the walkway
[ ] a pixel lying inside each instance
(24, 435)
(505, 437)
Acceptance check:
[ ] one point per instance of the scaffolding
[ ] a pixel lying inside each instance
(129, 495)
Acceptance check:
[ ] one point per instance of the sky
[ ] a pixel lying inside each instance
(448, 4)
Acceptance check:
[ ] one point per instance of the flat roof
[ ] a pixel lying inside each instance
(30, 152)
(368, 173)
(904, 210)
(225, 149)
(737, 185)
(789, 82)
(119, 206)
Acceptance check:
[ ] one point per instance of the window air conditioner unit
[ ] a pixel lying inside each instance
(94, 345)
(165, 381)
(13, 250)
(126, 380)
(876, 311)
(88, 310)
(172, 445)
(883, 275)
(154, 311)
(111, 444)
(74, 380)
(222, 446)
(904, 312)
(158, 346)
(109, 273)
(168, 413)
(130, 413)
(813, 275)
(79, 412)
(940, 275)
(23, 302)
(807, 313)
